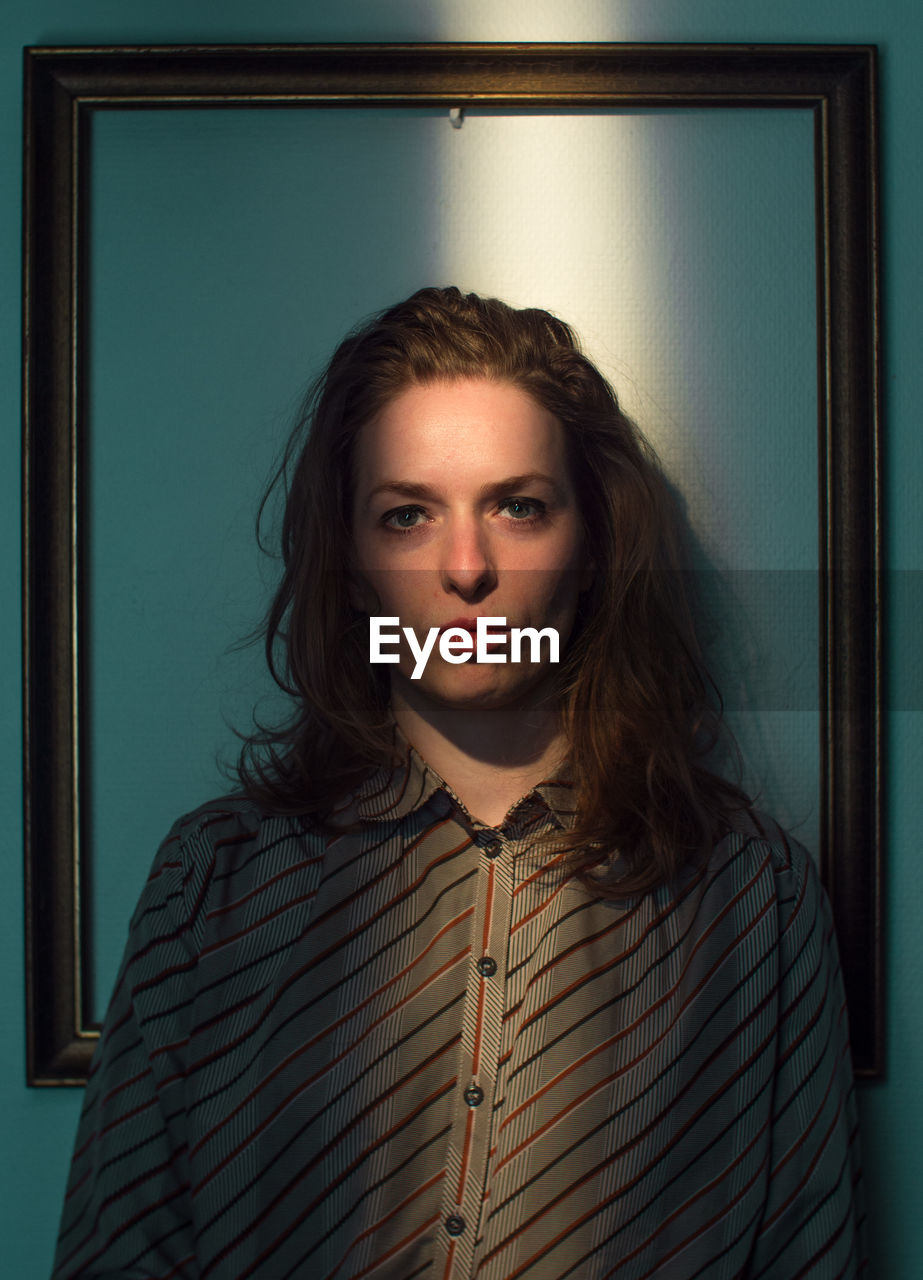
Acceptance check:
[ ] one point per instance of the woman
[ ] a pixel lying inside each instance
(482, 972)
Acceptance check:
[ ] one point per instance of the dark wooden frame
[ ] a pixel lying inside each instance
(63, 87)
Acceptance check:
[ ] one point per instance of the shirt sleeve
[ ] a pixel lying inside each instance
(813, 1224)
(127, 1209)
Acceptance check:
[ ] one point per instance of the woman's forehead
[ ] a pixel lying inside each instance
(466, 426)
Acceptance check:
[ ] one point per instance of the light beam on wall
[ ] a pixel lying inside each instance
(679, 244)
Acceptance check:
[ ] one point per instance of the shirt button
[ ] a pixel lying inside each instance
(454, 1224)
(474, 1095)
(487, 967)
(493, 848)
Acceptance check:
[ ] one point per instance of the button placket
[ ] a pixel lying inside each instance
(469, 1145)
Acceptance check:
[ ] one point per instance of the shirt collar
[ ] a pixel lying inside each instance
(398, 790)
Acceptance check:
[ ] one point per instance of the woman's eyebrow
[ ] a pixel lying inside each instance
(509, 484)
(405, 488)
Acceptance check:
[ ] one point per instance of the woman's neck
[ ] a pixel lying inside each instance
(490, 758)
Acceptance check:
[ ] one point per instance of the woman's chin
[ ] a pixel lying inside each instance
(476, 686)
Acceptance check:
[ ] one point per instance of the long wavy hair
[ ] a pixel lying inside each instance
(639, 710)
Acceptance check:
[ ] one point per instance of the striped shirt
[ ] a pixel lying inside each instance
(414, 1050)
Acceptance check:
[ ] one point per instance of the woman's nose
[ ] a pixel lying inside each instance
(467, 566)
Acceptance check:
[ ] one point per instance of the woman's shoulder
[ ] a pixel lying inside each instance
(218, 818)
(759, 833)
(232, 821)
(763, 861)
(227, 847)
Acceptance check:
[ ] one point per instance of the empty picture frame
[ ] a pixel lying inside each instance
(63, 90)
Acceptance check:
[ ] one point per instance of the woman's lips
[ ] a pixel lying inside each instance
(471, 625)
(496, 634)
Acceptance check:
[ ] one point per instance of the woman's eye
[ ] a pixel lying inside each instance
(403, 518)
(524, 508)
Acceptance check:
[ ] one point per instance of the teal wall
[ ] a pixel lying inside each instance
(655, 232)
(36, 1128)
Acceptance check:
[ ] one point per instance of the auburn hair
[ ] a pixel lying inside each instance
(639, 710)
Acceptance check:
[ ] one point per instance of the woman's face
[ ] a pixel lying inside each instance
(464, 508)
